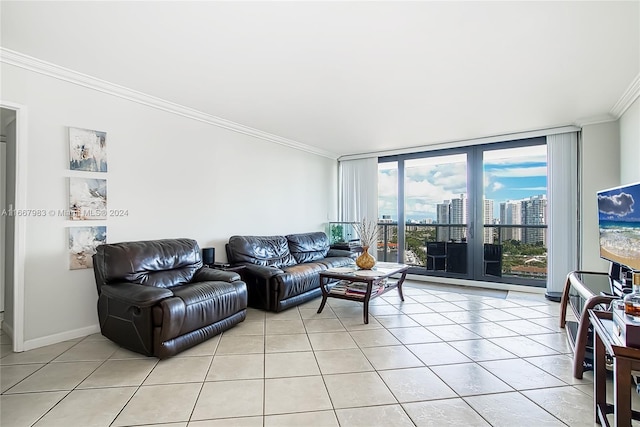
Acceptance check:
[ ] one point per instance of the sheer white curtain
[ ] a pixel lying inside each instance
(562, 210)
(359, 191)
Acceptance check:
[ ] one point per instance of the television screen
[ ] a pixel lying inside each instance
(619, 223)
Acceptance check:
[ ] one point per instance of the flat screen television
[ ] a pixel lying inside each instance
(619, 224)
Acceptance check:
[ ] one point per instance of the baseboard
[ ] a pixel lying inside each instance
(477, 284)
(62, 336)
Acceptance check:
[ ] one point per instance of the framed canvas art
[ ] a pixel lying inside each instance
(87, 150)
(82, 245)
(87, 199)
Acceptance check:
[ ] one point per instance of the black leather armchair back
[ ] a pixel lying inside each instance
(158, 263)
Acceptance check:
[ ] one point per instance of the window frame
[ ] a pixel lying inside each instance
(475, 192)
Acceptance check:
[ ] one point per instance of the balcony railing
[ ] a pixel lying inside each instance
(521, 248)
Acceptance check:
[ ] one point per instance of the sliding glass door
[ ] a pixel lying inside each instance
(471, 213)
(515, 212)
(388, 212)
(435, 206)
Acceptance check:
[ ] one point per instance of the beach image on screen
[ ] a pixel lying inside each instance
(619, 221)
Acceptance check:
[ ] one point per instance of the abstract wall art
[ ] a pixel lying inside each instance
(87, 198)
(82, 245)
(87, 150)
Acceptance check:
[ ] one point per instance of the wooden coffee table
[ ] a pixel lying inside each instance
(361, 285)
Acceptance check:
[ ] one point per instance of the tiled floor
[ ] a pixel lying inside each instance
(445, 357)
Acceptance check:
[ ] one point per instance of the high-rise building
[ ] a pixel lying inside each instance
(458, 215)
(511, 213)
(534, 212)
(442, 217)
(487, 210)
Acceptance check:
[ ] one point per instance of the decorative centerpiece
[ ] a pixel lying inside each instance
(368, 233)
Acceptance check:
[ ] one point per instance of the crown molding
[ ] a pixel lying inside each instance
(595, 120)
(30, 63)
(628, 97)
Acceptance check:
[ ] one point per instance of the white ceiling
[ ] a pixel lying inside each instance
(351, 77)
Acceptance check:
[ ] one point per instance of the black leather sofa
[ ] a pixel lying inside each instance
(156, 298)
(283, 271)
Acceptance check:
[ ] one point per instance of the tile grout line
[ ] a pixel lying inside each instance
(381, 326)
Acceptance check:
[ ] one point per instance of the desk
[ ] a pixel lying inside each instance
(624, 359)
(582, 291)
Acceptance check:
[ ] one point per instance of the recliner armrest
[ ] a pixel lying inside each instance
(135, 295)
(206, 274)
(262, 271)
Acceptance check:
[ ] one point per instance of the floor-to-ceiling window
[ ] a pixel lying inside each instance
(474, 213)
(515, 211)
(388, 211)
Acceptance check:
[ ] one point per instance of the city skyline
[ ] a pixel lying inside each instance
(513, 174)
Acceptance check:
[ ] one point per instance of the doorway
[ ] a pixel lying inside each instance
(12, 227)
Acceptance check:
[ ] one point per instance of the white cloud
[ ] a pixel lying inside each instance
(449, 176)
(387, 185)
(497, 186)
(420, 209)
(426, 185)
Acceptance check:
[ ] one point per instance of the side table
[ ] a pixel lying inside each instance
(624, 360)
(226, 267)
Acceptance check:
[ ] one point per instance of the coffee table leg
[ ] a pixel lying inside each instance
(324, 301)
(400, 282)
(324, 295)
(365, 302)
(366, 312)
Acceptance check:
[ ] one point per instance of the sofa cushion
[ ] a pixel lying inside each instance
(268, 251)
(308, 247)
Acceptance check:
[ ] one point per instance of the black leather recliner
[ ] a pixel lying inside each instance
(156, 298)
(284, 271)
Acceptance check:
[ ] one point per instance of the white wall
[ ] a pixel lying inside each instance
(630, 144)
(177, 177)
(600, 157)
(610, 154)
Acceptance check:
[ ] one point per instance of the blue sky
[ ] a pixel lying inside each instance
(509, 174)
(516, 181)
